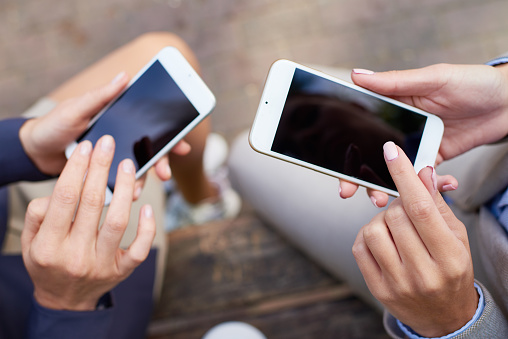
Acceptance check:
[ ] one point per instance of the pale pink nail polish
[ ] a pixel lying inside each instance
(374, 201)
(118, 77)
(390, 151)
(449, 187)
(362, 71)
(128, 167)
(85, 148)
(107, 143)
(148, 211)
(433, 178)
(137, 193)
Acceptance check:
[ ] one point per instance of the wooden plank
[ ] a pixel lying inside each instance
(242, 270)
(232, 264)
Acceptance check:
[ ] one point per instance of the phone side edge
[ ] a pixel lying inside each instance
(430, 142)
(271, 104)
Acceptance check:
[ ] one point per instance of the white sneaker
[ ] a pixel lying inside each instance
(227, 205)
(215, 155)
(180, 213)
(234, 330)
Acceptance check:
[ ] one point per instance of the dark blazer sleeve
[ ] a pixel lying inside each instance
(14, 163)
(125, 316)
(17, 318)
(51, 324)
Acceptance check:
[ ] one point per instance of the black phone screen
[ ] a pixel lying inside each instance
(341, 129)
(149, 114)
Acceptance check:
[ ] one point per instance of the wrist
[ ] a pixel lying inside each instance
(25, 133)
(48, 163)
(453, 331)
(61, 303)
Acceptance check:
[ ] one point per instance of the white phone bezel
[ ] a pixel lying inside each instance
(191, 84)
(272, 102)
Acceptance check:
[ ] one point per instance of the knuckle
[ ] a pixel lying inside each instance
(116, 225)
(395, 214)
(137, 258)
(92, 199)
(373, 233)
(77, 272)
(36, 208)
(386, 296)
(77, 269)
(66, 195)
(42, 258)
(457, 268)
(430, 287)
(358, 250)
(420, 210)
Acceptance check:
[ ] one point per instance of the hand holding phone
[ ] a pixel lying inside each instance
(161, 104)
(314, 120)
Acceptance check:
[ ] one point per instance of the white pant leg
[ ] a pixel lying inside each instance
(306, 208)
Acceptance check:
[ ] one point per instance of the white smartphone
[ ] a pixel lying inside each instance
(160, 105)
(332, 126)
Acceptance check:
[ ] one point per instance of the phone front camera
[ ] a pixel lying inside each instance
(266, 102)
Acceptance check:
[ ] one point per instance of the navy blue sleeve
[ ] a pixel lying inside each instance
(14, 163)
(51, 324)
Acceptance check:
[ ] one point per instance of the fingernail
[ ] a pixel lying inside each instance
(390, 151)
(128, 167)
(148, 211)
(168, 171)
(340, 190)
(374, 201)
(137, 193)
(107, 143)
(85, 148)
(118, 77)
(433, 178)
(363, 71)
(449, 187)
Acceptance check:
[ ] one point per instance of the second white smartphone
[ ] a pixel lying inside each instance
(332, 126)
(161, 104)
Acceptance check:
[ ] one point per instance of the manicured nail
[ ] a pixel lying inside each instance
(390, 151)
(137, 193)
(107, 143)
(362, 71)
(433, 177)
(147, 211)
(85, 148)
(168, 171)
(128, 167)
(449, 187)
(340, 191)
(118, 77)
(374, 201)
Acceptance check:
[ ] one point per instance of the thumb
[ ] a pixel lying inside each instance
(93, 101)
(414, 82)
(430, 179)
